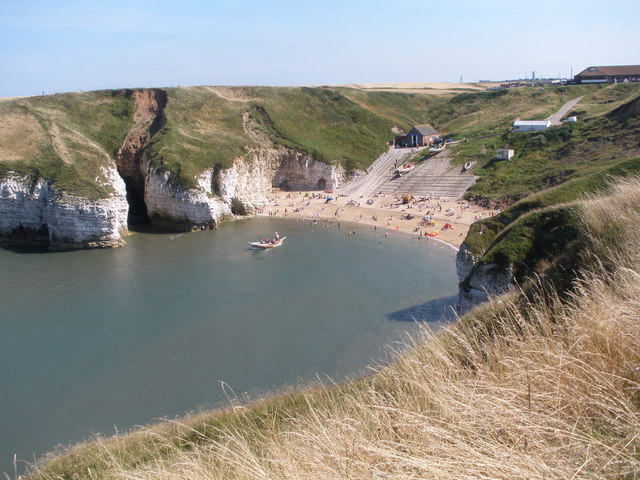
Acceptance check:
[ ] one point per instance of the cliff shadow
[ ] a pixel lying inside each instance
(437, 310)
(26, 249)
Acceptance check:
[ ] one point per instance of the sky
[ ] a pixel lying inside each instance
(71, 45)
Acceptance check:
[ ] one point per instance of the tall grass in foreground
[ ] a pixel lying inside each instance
(548, 389)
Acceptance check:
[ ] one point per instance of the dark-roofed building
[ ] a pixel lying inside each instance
(418, 136)
(619, 73)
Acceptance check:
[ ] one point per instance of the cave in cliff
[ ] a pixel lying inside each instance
(138, 215)
(148, 120)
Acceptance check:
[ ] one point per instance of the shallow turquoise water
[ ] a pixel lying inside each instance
(104, 339)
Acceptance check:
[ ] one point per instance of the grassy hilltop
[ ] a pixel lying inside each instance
(537, 232)
(600, 139)
(65, 137)
(205, 124)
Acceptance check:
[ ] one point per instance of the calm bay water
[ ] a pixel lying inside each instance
(94, 341)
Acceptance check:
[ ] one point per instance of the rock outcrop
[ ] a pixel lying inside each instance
(174, 207)
(479, 282)
(35, 213)
(237, 191)
(148, 118)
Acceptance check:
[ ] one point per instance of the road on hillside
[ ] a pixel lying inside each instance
(556, 118)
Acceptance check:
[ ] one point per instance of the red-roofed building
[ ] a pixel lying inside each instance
(620, 73)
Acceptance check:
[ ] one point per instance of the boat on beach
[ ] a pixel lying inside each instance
(438, 149)
(406, 168)
(269, 244)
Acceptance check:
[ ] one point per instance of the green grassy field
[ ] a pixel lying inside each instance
(551, 171)
(67, 137)
(338, 126)
(537, 235)
(599, 140)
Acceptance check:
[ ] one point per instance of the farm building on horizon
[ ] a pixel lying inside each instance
(530, 125)
(612, 74)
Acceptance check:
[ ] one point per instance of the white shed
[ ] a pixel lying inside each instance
(505, 154)
(531, 125)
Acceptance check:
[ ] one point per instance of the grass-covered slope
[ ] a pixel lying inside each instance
(67, 138)
(537, 234)
(204, 125)
(518, 389)
(607, 133)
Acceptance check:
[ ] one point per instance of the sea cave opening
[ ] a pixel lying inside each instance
(138, 216)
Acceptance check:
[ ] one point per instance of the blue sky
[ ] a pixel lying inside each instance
(70, 45)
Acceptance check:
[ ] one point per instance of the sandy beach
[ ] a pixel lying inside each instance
(425, 218)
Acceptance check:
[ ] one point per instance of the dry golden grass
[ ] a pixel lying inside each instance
(547, 388)
(432, 88)
(612, 217)
(233, 94)
(21, 136)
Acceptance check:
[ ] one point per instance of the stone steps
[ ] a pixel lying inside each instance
(434, 176)
(418, 184)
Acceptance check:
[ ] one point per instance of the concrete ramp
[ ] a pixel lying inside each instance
(448, 187)
(379, 171)
(434, 176)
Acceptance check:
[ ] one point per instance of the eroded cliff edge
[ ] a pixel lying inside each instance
(524, 242)
(480, 282)
(218, 193)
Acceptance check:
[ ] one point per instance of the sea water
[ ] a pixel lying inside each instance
(100, 341)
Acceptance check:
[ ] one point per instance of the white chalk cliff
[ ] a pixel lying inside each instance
(239, 190)
(38, 213)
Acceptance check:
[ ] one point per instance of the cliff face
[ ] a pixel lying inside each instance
(478, 283)
(239, 190)
(173, 207)
(37, 214)
(147, 120)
